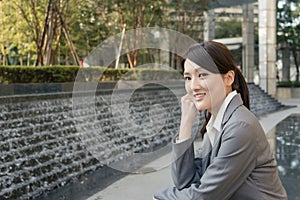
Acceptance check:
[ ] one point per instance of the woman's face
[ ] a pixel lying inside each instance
(207, 90)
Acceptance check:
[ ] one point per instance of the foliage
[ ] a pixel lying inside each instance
(188, 17)
(42, 74)
(288, 21)
(58, 74)
(53, 32)
(288, 28)
(35, 29)
(228, 28)
(288, 84)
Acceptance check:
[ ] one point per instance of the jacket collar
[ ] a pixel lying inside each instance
(233, 105)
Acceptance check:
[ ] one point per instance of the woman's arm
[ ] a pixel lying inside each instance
(188, 115)
(183, 168)
(227, 172)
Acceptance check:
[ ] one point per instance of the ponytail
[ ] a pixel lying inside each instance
(241, 87)
(207, 116)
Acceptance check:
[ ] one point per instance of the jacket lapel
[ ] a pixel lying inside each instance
(232, 106)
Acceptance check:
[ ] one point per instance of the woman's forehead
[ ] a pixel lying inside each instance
(190, 66)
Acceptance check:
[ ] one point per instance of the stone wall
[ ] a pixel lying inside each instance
(47, 141)
(288, 92)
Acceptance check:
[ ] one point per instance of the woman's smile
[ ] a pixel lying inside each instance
(199, 96)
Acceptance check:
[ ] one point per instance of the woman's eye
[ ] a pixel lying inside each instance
(186, 78)
(202, 75)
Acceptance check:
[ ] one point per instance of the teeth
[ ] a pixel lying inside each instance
(199, 95)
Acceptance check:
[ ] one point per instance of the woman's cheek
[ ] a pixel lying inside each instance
(203, 105)
(188, 88)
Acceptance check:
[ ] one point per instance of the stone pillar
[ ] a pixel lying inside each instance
(248, 42)
(267, 45)
(209, 25)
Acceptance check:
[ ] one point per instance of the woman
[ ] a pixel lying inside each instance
(235, 161)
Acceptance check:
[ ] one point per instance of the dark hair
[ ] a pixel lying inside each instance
(217, 58)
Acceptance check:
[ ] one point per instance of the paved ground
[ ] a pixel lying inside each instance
(142, 186)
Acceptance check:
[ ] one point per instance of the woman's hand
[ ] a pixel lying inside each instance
(188, 115)
(154, 198)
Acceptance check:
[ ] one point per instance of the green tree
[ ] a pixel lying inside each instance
(187, 17)
(46, 32)
(111, 17)
(228, 28)
(288, 30)
(134, 14)
(35, 27)
(13, 33)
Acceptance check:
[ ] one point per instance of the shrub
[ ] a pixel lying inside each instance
(288, 84)
(59, 74)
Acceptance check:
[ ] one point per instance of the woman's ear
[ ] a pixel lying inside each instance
(229, 78)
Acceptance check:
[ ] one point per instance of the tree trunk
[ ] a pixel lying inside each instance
(286, 62)
(294, 51)
(4, 62)
(67, 35)
(56, 49)
(48, 48)
(40, 42)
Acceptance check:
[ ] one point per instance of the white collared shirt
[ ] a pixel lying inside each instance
(214, 124)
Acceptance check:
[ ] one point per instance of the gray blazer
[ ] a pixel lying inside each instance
(239, 166)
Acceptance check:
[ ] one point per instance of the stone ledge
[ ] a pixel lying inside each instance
(42, 147)
(288, 92)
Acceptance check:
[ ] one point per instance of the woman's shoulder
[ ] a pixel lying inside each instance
(244, 119)
(243, 114)
(237, 112)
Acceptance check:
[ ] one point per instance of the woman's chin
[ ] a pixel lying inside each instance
(200, 106)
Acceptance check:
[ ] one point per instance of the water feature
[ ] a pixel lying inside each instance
(285, 141)
(46, 143)
(39, 147)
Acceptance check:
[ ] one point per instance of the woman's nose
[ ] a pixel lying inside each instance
(195, 84)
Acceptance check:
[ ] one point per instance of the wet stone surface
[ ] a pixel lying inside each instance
(46, 142)
(287, 151)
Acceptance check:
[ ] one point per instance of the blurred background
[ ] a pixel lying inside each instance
(54, 32)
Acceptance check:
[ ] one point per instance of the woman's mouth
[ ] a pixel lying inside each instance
(199, 96)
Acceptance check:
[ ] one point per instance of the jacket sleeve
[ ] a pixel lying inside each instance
(227, 172)
(185, 168)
